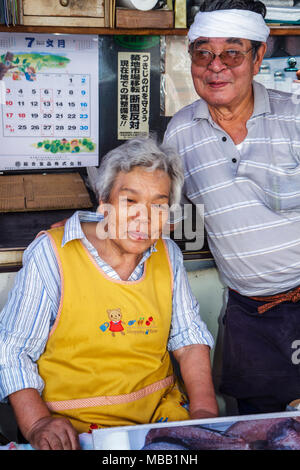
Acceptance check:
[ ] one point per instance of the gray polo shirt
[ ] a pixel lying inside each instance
(250, 193)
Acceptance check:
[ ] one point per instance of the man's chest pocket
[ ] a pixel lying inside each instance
(283, 188)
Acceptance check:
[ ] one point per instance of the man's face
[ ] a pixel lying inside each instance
(220, 85)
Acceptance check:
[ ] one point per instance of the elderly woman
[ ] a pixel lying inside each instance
(99, 303)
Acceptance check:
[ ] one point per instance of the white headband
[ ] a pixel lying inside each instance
(232, 23)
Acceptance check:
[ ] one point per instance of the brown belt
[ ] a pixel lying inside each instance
(272, 300)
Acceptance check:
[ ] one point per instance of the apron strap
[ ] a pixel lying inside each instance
(110, 400)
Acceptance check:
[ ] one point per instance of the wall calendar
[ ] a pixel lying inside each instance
(49, 101)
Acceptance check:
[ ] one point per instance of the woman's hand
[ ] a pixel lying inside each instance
(37, 425)
(53, 434)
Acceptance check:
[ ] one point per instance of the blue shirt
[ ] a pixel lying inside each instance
(33, 303)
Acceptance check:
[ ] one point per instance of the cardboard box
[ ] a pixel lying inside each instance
(39, 192)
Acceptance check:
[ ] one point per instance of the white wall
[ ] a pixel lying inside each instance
(6, 283)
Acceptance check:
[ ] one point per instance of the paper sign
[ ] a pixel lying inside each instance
(133, 94)
(178, 84)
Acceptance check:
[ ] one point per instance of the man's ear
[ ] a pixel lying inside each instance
(259, 57)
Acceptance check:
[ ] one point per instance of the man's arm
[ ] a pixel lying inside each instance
(37, 426)
(195, 368)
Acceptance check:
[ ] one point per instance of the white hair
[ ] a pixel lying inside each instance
(142, 152)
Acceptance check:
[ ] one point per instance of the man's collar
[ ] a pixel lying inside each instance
(201, 110)
(261, 103)
(261, 99)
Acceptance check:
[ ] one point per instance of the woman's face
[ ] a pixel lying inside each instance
(137, 209)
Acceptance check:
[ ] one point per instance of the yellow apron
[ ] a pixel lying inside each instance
(106, 362)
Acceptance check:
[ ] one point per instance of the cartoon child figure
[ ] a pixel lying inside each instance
(115, 324)
(30, 74)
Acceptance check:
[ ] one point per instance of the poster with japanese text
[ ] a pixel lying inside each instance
(133, 94)
(49, 101)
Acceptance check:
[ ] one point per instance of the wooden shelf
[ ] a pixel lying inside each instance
(275, 30)
(285, 30)
(91, 30)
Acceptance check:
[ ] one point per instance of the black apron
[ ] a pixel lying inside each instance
(261, 365)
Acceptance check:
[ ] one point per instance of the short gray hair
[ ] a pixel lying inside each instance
(144, 152)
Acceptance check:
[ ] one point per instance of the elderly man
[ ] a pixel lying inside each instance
(240, 148)
(86, 332)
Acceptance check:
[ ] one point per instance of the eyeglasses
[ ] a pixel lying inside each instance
(231, 58)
